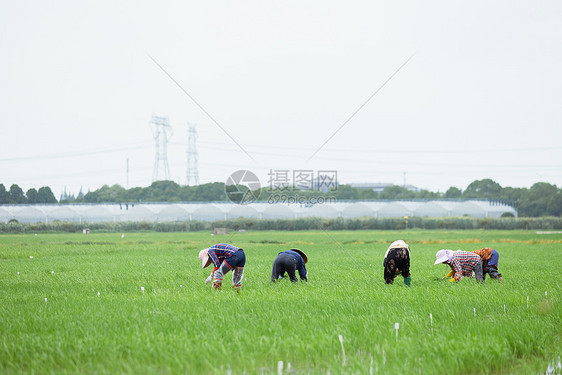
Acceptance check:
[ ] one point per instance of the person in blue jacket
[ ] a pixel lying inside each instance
(290, 261)
(491, 267)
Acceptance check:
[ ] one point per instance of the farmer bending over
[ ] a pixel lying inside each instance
(290, 261)
(462, 263)
(397, 260)
(490, 259)
(224, 257)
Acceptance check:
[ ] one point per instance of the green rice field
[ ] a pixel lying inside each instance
(73, 303)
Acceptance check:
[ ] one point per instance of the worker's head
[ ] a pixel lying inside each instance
(399, 244)
(443, 256)
(302, 254)
(204, 258)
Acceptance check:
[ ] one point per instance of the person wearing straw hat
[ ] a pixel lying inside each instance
(397, 260)
(462, 263)
(289, 262)
(224, 257)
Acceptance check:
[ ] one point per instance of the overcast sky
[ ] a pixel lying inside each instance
(435, 93)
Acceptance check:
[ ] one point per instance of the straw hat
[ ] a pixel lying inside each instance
(302, 254)
(204, 258)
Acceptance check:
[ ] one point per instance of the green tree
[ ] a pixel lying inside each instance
(513, 194)
(535, 202)
(163, 191)
(346, 192)
(114, 194)
(45, 195)
(158, 191)
(31, 195)
(485, 188)
(106, 194)
(453, 192)
(554, 204)
(3, 194)
(16, 195)
(209, 192)
(135, 194)
(397, 192)
(90, 197)
(426, 194)
(367, 194)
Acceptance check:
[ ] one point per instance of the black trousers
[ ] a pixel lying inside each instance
(284, 263)
(492, 271)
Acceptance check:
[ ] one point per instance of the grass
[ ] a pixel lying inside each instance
(179, 325)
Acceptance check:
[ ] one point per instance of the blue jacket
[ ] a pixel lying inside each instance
(300, 262)
(494, 260)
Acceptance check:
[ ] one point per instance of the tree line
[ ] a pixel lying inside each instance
(541, 199)
(16, 195)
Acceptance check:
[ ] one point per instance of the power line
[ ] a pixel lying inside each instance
(140, 146)
(286, 156)
(59, 155)
(400, 151)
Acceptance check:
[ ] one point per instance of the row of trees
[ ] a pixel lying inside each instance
(542, 199)
(16, 195)
(159, 191)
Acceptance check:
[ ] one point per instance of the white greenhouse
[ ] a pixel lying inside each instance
(5, 215)
(357, 210)
(208, 212)
(169, 212)
(31, 214)
(98, 214)
(245, 211)
(173, 212)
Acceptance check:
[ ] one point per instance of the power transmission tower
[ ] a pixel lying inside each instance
(162, 132)
(192, 156)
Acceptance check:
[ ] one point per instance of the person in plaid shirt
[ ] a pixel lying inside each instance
(462, 263)
(224, 257)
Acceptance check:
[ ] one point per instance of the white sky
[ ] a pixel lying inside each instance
(480, 98)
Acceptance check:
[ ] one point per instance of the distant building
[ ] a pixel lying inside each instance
(380, 186)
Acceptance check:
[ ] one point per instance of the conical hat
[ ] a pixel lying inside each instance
(302, 254)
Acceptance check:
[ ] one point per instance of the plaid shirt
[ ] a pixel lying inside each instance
(463, 263)
(220, 252)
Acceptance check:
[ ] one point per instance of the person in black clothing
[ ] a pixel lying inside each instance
(397, 260)
(290, 261)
